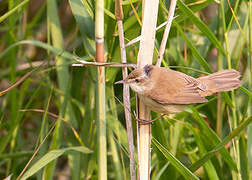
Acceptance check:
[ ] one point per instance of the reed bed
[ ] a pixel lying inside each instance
(61, 118)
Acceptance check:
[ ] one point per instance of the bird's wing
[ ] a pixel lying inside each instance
(177, 88)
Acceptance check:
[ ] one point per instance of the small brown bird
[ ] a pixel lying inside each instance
(167, 91)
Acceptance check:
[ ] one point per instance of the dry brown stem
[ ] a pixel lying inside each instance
(145, 56)
(126, 92)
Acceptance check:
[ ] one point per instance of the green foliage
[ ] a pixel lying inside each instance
(53, 112)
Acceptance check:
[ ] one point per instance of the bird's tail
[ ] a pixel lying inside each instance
(225, 80)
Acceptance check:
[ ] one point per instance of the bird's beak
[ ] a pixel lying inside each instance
(120, 82)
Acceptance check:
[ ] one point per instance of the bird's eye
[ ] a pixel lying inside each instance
(137, 80)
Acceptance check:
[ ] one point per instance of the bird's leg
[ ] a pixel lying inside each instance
(144, 121)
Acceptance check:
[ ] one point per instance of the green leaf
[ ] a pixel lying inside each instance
(204, 29)
(12, 11)
(219, 146)
(243, 157)
(249, 93)
(85, 23)
(174, 161)
(249, 146)
(56, 51)
(194, 50)
(49, 157)
(210, 169)
(195, 7)
(227, 99)
(213, 138)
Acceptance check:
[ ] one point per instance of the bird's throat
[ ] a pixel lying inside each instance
(138, 89)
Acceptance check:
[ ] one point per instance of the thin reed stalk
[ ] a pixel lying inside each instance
(101, 99)
(250, 56)
(145, 56)
(166, 32)
(249, 132)
(107, 64)
(220, 67)
(135, 40)
(235, 122)
(126, 91)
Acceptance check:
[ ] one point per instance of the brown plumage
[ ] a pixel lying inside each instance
(225, 80)
(168, 91)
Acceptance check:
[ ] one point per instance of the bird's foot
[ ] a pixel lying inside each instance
(145, 122)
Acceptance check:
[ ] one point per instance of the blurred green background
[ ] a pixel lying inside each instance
(54, 109)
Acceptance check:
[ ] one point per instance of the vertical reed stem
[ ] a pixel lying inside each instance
(234, 115)
(250, 55)
(126, 92)
(249, 132)
(101, 112)
(220, 67)
(145, 56)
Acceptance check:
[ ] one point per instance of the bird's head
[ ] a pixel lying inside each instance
(139, 79)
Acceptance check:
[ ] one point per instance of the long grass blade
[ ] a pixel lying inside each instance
(204, 29)
(12, 11)
(49, 157)
(175, 162)
(217, 148)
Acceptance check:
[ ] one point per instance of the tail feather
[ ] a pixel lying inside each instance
(225, 80)
(229, 74)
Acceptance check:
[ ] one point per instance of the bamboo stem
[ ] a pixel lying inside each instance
(126, 92)
(101, 111)
(145, 56)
